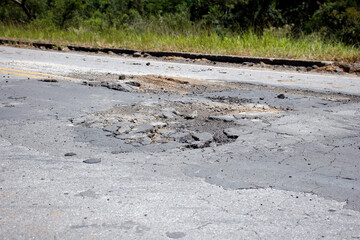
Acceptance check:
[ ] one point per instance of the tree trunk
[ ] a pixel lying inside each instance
(24, 8)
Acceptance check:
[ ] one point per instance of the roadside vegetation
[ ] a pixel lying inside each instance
(300, 29)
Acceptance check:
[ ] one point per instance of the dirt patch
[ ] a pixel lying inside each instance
(329, 68)
(160, 84)
(154, 84)
(173, 58)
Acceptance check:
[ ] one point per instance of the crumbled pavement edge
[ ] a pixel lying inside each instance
(249, 61)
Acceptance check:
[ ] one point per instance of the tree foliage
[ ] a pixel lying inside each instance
(340, 19)
(336, 18)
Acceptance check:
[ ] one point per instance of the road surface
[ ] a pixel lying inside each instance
(96, 146)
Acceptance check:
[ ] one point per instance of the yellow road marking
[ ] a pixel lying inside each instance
(20, 74)
(31, 74)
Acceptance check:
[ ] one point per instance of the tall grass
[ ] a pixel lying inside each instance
(192, 38)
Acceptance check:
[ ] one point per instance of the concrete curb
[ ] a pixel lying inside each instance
(211, 57)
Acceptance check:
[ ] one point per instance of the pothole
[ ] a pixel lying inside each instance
(187, 123)
(161, 85)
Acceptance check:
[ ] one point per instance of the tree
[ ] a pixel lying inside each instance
(338, 18)
(24, 8)
(65, 12)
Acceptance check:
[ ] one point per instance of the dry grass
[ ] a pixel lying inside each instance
(276, 43)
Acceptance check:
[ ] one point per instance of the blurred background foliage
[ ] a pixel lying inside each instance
(338, 19)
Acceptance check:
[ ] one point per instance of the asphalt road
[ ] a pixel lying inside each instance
(174, 150)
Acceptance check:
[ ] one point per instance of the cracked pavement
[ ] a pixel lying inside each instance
(97, 146)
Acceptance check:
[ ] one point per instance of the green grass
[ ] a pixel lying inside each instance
(272, 43)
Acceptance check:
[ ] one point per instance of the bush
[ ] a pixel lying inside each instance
(338, 19)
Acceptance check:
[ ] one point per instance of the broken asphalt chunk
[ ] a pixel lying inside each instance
(143, 128)
(232, 133)
(193, 115)
(225, 118)
(122, 86)
(202, 137)
(112, 128)
(92, 160)
(134, 84)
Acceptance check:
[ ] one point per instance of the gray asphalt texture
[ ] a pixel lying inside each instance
(244, 154)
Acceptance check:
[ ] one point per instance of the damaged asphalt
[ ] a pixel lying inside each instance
(96, 146)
